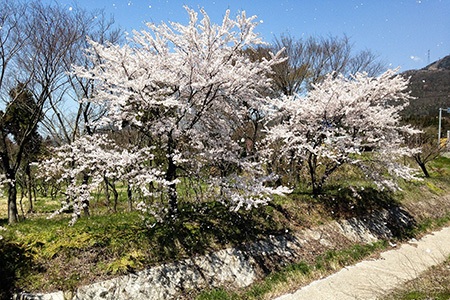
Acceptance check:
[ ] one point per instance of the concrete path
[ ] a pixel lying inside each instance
(372, 279)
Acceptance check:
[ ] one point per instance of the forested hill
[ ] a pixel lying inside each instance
(431, 88)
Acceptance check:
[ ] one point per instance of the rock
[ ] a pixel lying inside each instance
(51, 296)
(239, 267)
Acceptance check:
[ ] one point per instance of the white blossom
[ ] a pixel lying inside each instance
(189, 87)
(342, 118)
(97, 157)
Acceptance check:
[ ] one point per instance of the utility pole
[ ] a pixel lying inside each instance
(440, 122)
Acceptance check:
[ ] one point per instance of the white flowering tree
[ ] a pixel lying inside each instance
(99, 159)
(189, 88)
(347, 121)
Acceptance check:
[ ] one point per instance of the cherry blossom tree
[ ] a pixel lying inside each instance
(346, 121)
(99, 158)
(189, 88)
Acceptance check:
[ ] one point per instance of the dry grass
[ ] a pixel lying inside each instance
(432, 284)
(3, 207)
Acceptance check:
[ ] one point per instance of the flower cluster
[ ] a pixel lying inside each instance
(342, 120)
(84, 164)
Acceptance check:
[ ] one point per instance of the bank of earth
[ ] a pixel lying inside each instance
(243, 271)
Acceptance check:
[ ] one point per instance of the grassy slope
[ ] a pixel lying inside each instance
(44, 255)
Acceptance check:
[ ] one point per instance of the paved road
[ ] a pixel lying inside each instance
(373, 278)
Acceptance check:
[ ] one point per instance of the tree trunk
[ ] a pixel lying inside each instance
(172, 189)
(29, 188)
(130, 198)
(13, 214)
(116, 195)
(424, 169)
(312, 168)
(108, 202)
(171, 175)
(22, 194)
(317, 189)
(86, 202)
(33, 187)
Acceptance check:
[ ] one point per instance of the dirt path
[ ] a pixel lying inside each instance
(372, 279)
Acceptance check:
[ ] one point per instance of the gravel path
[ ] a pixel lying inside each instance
(374, 278)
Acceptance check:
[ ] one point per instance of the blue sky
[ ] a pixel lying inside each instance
(402, 33)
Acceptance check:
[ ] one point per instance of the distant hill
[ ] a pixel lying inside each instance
(431, 87)
(442, 64)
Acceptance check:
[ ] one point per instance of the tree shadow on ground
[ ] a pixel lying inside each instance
(15, 262)
(348, 202)
(205, 226)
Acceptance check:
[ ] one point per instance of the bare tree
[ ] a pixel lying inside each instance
(429, 148)
(12, 38)
(291, 75)
(309, 60)
(366, 61)
(39, 43)
(66, 127)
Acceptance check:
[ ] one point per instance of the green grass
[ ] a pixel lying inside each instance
(430, 224)
(57, 250)
(42, 254)
(45, 205)
(418, 295)
(63, 257)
